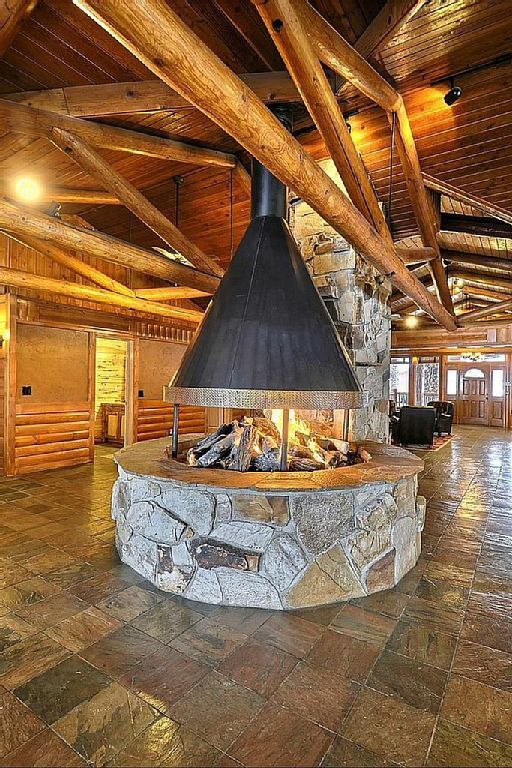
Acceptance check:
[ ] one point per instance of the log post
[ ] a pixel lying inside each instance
(29, 223)
(91, 161)
(159, 38)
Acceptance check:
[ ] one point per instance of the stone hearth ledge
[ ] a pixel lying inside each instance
(268, 540)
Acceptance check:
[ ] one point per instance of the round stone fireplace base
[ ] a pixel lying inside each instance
(277, 540)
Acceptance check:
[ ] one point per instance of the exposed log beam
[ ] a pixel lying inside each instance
(464, 197)
(156, 34)
(477, 277)
(475, 225)
(492, 309)
(30, 282)
(293, 41)
(145, 96)
(19, 118)
(12, 15)
(91, 161)
(474, 290)
(75, 265)
(336, 53)
(415, 255)
(62, 195)
(170, 293)
(479, 259)
(28, 223)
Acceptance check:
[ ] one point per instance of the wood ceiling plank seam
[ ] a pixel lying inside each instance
(71, 75)
(20, 81)
(246, 21)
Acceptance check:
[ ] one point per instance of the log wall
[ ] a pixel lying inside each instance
(154, 419)
(49, 436)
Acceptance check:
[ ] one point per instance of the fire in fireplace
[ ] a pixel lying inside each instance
(266, 341)
(255, 443)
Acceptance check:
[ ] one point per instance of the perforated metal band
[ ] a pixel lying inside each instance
(258, 398)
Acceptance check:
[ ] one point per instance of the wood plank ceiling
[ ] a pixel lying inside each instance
(468, 145)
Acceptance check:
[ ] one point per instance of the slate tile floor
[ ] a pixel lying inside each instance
(97, 667)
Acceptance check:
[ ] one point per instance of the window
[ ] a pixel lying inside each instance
(427, 382)
(399, 383)
(451, 382)
(497, 382)
(474, 373)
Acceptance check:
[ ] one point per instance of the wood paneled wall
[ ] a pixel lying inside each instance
(51, 436)
(110, 377)
(154, 419)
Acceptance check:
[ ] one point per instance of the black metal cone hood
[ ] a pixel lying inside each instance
(267, 340)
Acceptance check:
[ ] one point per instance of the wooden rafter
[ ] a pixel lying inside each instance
(480, 260)
(475, 290)
(492, 309)
(336, 53)
(28, 223)
(145, 96)
(386, 25)
(28, 281)
(415, 255)
(169, 293)
(75, 265)
(488, 279)
(456, 193)
(19, 118)
(292, 40)
(91, 161)
(12, 15)
(63, 195)
(475, 225)
(159, 38)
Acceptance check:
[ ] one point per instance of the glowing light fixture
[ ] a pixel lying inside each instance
(411, 321)
(453, 94)
(27, 189)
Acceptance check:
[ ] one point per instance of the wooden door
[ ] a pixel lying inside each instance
(497, 396)
(474, 396)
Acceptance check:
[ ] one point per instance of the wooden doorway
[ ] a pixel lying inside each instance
(478, 390)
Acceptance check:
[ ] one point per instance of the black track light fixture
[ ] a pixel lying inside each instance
(453, 94)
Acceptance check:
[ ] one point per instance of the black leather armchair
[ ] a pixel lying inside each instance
(445, 412)
(415, 425)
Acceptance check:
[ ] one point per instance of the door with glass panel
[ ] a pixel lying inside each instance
(497, 397)
(474, 397)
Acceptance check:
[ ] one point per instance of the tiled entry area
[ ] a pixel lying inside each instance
(98, 668)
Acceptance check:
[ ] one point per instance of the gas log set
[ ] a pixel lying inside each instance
(255, 444)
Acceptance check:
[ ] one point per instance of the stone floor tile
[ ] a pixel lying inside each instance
(28, 658)
(208, 641)
(11, 573)
(48, 561)
(27, 592)
(322, 615)
(317, 695)
(98, 588)
(61, 688)
(290, 633)
(390, 602)
(45, 750)
(494, 631)
(435, 614)
(344, 655)
(13, 629)
(52, 610)
(443, 592)
(166, 620)
(120, 651)
(83, 629)
(164, 677)
(129, 603)
(453, 745)
(280, 737)
(100, 727)
(71, 574)
(419, 685)
(217, 709)
(390, 728)
(345, 754)
(246, 620)
(423, 643)
(259, 667)
(487, 665)
(364, 625)
(17, 723)
(166, 743)
(479, 707)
